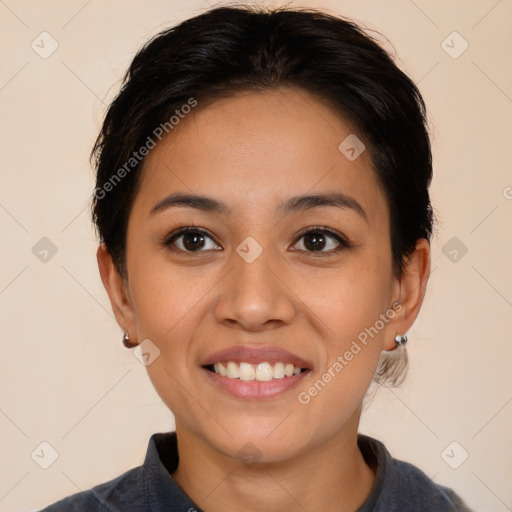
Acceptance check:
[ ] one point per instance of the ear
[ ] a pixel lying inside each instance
(410, 289)
(118, 292)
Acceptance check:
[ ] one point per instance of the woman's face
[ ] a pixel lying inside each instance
(258, 279)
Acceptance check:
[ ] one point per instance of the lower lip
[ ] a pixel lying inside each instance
(255, 388)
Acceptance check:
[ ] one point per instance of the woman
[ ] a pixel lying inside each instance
(263, 208)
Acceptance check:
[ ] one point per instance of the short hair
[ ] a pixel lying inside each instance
(227, 50)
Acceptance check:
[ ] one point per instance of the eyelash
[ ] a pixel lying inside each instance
(343, 242)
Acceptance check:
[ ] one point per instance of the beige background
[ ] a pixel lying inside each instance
(65, 377)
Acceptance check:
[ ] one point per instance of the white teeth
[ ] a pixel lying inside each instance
(288, 370)
(262, 372)
(232, 371)
(221, 369)
(246, 371)
(278, 370)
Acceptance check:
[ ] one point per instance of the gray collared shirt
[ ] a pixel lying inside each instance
(398, 487)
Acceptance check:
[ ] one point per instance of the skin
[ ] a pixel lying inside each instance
(252, 151)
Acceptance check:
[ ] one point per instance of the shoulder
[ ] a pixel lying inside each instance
(401, 486)
(138, 489)
(414, 489)
(121, 493)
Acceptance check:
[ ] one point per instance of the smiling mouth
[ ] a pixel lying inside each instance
(262, 372)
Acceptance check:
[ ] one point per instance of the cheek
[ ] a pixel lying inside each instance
(351, 299)
(168, 306)
(164, 299)
(355, 305)
(352, 309)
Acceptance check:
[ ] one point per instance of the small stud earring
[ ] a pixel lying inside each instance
(126, 341)
(400, 340)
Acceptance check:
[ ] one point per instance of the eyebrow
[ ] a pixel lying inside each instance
(293, 204)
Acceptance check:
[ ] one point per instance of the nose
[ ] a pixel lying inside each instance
(255, 296)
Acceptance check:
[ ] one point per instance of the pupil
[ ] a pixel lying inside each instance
(314, 241)
(190, 239)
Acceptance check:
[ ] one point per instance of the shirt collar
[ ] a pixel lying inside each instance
(377, 456)
(163, 494)
(160, 490)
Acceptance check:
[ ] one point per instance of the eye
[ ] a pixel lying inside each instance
(191, 239)
(321, 240)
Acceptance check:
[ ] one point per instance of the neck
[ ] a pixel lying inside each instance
(330, 476)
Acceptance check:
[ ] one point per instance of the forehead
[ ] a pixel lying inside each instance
(257, 148)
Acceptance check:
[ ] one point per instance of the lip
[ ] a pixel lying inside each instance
(254, 389)
(255, 355)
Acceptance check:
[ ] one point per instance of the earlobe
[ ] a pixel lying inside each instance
(117, 290)
(411, 288)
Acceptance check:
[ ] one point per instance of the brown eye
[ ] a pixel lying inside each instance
(315, 241)
(191, 240)
(321, 240)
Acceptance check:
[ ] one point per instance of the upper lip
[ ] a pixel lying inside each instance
(255, 355)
